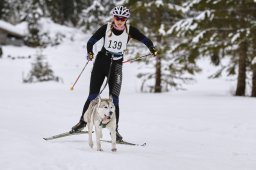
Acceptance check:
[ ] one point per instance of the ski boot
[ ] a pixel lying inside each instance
(78, 127)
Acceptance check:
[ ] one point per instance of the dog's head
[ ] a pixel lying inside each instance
(106, 110)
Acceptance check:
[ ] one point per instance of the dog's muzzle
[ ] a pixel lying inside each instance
(105, 121)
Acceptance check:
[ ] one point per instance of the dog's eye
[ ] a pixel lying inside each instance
(105, 107)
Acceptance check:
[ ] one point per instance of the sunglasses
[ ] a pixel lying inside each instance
(120, 18)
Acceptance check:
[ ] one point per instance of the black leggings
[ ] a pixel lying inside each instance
(100, 70)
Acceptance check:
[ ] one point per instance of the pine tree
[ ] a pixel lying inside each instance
(33, 39)
(66, 12)
(10, 10)
(155, 18)
(220, 29)
(2, 8)
(96, 14)
(40, 71)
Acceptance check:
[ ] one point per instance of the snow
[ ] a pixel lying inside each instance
(49, 27)
(162, 30)
(119, 2)
(197, 38)
(11, 28)
(202, 128)
(190, 4)
(204, 15)
(235, 37)
(94, 6)
(159, 3)
(184, 25)
(254, 60)
(177, 7)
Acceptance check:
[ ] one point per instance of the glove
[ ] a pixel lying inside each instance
(153, 51)
(90, 56)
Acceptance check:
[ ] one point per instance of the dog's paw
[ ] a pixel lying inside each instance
(113, 149)
(99, 149)
(91, 145)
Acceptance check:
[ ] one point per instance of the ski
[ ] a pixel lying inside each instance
(124, 143)
(61, 135)
(65, 134)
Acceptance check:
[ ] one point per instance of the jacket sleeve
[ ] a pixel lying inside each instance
(136, 34)
(96, 37)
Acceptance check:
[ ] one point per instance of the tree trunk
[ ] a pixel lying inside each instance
(254, 78)
(253, 94)
(158, 88)
(241, 80)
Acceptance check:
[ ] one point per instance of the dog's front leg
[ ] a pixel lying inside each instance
(90, 126)
(98, 136)
(113, 138)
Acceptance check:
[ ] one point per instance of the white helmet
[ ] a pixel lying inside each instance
(121, 11)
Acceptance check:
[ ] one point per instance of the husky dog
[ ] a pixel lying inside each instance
(101, 114)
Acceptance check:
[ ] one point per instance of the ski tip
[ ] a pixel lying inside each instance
(144, 144)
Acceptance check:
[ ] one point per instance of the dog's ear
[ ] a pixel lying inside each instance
(110, 97)
(95, 101)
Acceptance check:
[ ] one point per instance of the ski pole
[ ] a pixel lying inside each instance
(137, 58)
(72, 88)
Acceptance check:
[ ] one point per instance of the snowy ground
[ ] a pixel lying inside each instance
(198, 129)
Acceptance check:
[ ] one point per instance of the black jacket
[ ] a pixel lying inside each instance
(133, 33)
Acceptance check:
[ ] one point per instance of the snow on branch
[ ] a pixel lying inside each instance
(183, 26)
(197, 38)
(190, 24)
(94, 6)
(188, 5)
(205, 15)
(254, 61)
(162, 30)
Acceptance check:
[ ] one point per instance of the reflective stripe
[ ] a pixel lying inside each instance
(117, 58)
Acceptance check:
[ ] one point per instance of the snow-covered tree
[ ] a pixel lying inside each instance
(96, 14)
(2, 8)
(155, 19)
(33, 17)
(40, 71)
(65, 12)
(220, 29)
(12, 10)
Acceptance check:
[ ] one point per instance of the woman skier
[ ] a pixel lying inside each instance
(116, 36)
